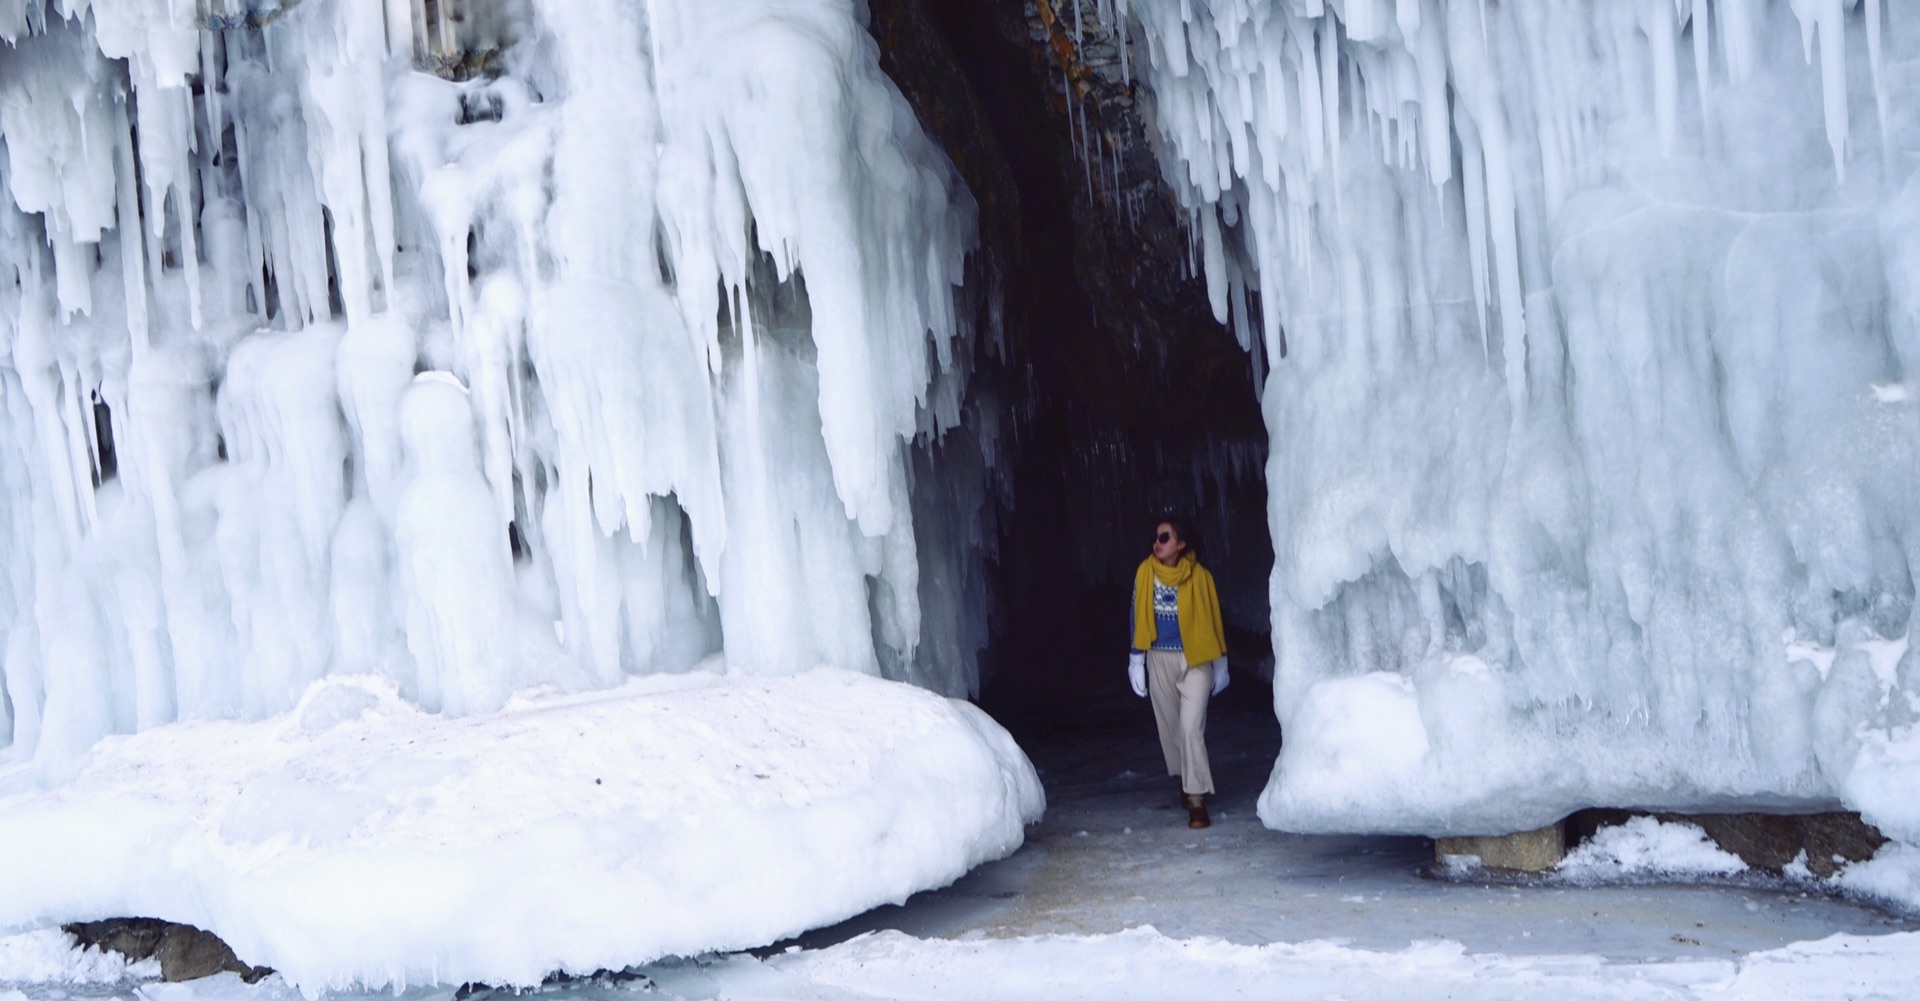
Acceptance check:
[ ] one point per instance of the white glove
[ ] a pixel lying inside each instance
(1137, 672)
(1220, 675)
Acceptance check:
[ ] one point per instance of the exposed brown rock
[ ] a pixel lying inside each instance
(1524, 851)
(134, 938)
(184, 952)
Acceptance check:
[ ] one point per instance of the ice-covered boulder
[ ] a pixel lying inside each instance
(359, 840)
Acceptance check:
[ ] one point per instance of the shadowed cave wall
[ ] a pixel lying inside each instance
(1126, 396)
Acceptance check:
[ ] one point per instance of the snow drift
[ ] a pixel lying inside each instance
(357, 841)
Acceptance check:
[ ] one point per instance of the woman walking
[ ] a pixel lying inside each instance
(1180, 656)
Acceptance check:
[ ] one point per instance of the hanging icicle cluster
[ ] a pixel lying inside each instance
(1599, 321)
(638, 340)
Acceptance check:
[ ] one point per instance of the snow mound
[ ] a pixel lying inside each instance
(1881, 779)
(360, 841)
(1644, 846)
(1891, 877)
(48, 956)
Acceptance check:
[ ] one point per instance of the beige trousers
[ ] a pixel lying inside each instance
(1180, 696)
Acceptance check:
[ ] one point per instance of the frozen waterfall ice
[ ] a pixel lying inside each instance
(1593, 329)
(640, 332)
(646, 341)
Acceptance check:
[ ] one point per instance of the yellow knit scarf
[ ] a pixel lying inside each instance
(1201, 633)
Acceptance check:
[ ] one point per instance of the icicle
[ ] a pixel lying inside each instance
(1330, 93)
(1879, 89)
(133, 263)
(1660, 32)
(1473, 189)
(1215, 264)
(1406, 15)
(1830, 20)
(189, 213)
(1086, 154)
(1066, 95)
(1702, 78)
(1737, 38)
(1504, 237)
(1312, 109)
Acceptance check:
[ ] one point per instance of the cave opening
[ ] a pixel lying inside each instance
(1130, 400)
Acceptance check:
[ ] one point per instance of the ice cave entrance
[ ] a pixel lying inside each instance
(1127, 397)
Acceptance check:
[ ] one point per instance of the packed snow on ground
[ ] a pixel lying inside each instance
(1645, 847)
(358, 841)
(1142, 963)
(1891, 877)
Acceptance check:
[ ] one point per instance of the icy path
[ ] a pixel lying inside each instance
(1114, 852)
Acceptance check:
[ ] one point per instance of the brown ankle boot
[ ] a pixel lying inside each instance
(1197, 811)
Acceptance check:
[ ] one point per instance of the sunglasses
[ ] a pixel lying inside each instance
(1163, 537)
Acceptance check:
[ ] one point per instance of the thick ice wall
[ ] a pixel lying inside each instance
(682, 285)
(1593, 442)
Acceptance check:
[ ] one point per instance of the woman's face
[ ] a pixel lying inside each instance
(1167, 544)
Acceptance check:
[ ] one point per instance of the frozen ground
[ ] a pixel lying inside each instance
(1112, 896)
(1114, 852)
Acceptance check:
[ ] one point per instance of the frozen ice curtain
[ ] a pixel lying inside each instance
(1592, 329)
(636, 334)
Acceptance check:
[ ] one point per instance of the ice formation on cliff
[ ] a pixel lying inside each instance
(1593, 328)
(643, 341)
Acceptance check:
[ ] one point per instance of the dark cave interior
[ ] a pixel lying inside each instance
(1128, 398)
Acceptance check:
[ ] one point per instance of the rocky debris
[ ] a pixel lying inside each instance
(184, 952)
(1764, 841)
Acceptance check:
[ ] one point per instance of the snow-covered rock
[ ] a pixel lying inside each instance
(358, 841)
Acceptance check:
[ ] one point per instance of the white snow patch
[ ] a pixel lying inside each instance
(1890, 392)
(49, 956)
(1882, 781)
(360, 841)
(1802, 651)
(1797, 870)
(1644, 846)
(1891, 876)
(1885, 656)
(1144, 964)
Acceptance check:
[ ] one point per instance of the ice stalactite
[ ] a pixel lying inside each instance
(635, 335)
(1593, 445)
